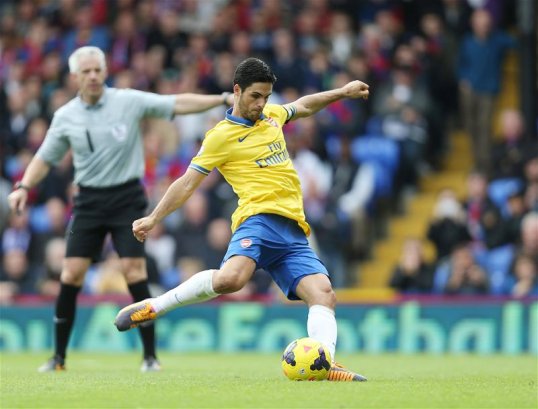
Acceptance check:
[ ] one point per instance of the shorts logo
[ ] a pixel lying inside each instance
(246, 243)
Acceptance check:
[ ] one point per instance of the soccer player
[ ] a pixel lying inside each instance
(269, 226)
(101, 126)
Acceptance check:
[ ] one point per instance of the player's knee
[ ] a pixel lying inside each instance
(323, 294)
(73, 272)
(228, 282)
(133, 269)
(327, 297)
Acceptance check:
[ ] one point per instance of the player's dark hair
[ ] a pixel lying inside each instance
(252, 70)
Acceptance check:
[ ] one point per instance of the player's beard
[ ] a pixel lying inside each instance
(250, 114)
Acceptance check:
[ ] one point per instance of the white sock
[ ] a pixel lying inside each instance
(321, 325)
(196, 289)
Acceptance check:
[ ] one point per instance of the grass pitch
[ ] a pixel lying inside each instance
(256, 381)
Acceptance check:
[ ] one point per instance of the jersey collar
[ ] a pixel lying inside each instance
(99, 103)
(241, 121)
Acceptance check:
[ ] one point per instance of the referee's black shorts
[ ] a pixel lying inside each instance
(98, 211)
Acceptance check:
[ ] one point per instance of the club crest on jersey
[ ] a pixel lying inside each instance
(119, 132)
(271, 121)
(246, 243)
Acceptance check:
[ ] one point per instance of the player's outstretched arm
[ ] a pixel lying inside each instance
(310, 104)
(189, 103)
(176, 194)
(35, 172)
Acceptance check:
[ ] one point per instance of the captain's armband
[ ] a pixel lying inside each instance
(291, 110)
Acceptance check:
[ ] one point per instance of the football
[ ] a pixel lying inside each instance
(306, 359)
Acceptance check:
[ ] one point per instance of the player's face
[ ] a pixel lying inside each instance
(252, 100)
(90, 78)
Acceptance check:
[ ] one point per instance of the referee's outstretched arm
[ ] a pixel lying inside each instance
(189, 103)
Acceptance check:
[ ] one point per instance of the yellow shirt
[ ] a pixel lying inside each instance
(253, 158)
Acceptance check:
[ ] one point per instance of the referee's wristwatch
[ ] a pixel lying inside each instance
(18, 185)
(225, 96)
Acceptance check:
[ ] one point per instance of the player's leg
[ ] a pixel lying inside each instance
(133, 268)
(85, 238)
(71, 280)
(126, 203)
(203, 286)
(316, 291)
(237, 269)
(135, 273)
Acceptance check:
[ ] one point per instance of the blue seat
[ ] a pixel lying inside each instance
(378, 149)
(383, 180)
(333, 146)
(441, 276)
(501, 189)
(374, 126)
(497, 264)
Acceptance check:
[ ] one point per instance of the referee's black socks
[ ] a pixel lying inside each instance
(140, 291)
(66, 306)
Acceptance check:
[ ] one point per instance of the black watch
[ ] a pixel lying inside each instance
(19, 185)
(225, 96)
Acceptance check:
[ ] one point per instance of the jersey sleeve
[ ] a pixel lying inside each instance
(290, 112)
(212, 154)
(153, 105)
(282, 113)
(55, 145)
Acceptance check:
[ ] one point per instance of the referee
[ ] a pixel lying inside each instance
(101, 127)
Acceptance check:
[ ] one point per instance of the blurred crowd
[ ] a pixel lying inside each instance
(357, 160)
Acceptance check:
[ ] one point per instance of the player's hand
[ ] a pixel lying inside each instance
(141, 227)
(356, 89)
(17, 200)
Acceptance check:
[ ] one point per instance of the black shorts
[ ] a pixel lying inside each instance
(99, 211)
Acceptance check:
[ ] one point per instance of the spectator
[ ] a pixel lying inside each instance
(288, 67)
(529, 236)
(484, 219)
(85, 32)
(191, 235)
(511, 151)
(447, 230)
(479, 72)
(524, 279)
(351, 195)
(18, 272)
(48, 281)
(47, 221)
(126, 41)
(412, 274)
(162, 247)
(466, 277)
(219, 232)
(515, 213)
(17, 235)
(531, 184)
(403, 104)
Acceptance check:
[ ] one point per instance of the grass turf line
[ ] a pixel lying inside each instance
(94, 380)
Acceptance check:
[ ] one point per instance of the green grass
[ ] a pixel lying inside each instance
(256, 381)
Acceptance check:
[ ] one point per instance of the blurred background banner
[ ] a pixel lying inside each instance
(432, 327)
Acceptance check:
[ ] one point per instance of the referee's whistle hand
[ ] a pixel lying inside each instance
(17, 200)
(141, 228)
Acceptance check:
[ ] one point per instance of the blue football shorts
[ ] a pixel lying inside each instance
(279, 246)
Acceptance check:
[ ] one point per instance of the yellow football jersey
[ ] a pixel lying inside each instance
(253, 158)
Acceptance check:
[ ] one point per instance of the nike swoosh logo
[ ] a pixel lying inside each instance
(243, 138)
